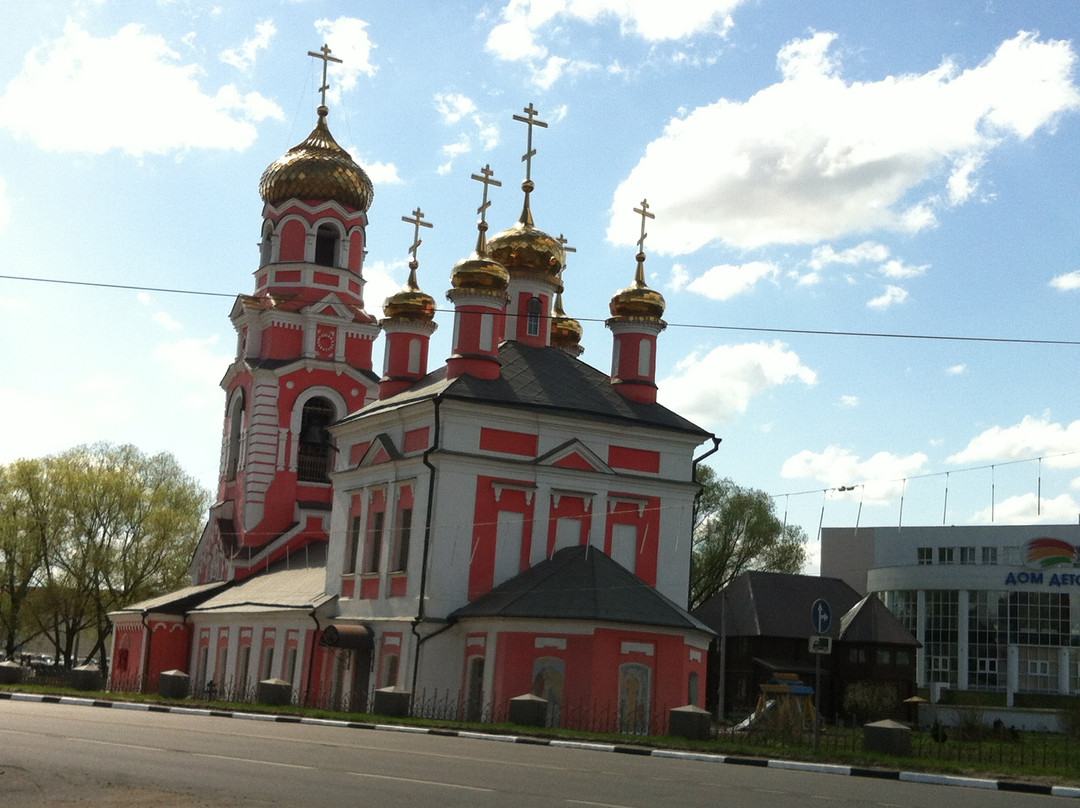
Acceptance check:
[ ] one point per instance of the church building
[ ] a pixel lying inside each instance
(512, 522)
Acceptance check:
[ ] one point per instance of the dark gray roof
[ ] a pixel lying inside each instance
(870, 621)
(542, 378)
(581, 583)
(179, 601)
(774, 604)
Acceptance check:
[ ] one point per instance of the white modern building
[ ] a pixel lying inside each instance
(996, 608)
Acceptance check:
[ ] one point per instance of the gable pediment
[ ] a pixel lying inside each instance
(329, 306)
(382, 450)
(574, 455)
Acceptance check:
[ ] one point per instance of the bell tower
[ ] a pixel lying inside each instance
(303, 361)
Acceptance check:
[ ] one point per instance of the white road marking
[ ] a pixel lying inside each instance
(252, 760)
(420, 782)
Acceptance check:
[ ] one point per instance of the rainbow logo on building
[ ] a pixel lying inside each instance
(1043, 553)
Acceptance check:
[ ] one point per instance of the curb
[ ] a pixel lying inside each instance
(702, 757)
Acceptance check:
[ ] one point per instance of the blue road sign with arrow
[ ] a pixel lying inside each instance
(821, 616)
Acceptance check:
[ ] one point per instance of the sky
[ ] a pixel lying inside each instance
(866, 224)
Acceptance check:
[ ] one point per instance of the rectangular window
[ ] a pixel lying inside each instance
(373, 553)
(967, 555)
(267, 667)
(945, 555)
(903, 658)
(624, 545)
(884, 656)
(509, 534)
(989, 555)
(404, 533)
(290, 666)
(926, 555)
(1038, 667)
(351, 543)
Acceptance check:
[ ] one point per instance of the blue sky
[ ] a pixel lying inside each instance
(905, 169)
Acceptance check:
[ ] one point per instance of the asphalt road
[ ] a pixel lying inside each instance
(60, 755)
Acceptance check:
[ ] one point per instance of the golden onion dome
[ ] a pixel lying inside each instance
(317, 168)
(565, 330)
(525, 249)
(638, 301)
(481, 274)
(410, 303)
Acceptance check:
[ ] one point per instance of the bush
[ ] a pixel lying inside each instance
(870, 701)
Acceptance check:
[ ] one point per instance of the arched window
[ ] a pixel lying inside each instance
(635, 698)
(265, 247)
(314, 450)
(535, 309)
(326, 245)
(236, 433)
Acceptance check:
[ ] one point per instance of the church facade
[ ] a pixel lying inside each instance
(512, 522)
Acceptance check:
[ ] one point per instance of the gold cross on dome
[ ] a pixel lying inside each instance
(324, 54)
(530, 152)
(417, 222)
(643, 211)
(487, 177)
(562, 243)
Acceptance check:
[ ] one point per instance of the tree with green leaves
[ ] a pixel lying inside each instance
(735, 530)
(29, 515)
(111, 525)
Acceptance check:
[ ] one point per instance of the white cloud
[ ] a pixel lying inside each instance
(679, 278)
(161, 110)
(1067, 282)
(456, 109)
(1032, 437)
(521, 35)
(166, 321)
(726, 281)
(5, 206)
(383, 279)
(898, 269)
(348, 40)
(453, 107)
(244, 56)
(379, 173)
(719, 385)
(193, 361)
(956, 370)
(849, 401)
(876, 480)
(868, 251)
(816, 156)
(1028, 509)
(891, 297)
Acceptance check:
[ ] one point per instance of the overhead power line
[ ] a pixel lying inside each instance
(699, 326)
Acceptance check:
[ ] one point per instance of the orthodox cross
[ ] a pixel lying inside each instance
(486, 176)
(643, 211)
(562, 243)
(529, 121)
(417, 222)
(324, 54)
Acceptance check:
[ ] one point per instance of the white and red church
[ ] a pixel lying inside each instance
(515, 521)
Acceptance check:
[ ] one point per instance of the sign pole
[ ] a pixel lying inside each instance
(821, 618)
(817, 701)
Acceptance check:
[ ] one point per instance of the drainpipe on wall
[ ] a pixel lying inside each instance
(146, 653)
(311, 653)
(693, 520)
(428, 517)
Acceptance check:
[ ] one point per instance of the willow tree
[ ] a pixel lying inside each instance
(736, 529)
(124, 530)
